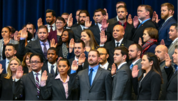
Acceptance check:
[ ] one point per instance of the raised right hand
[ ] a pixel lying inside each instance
(103, 37)
(44, 76)
(135, 71)
(19, 72)
(24, 33)
(74, 65)
(81, 59)
(70, 20)
(113, 69)
(71, 45)
(39, 22)
(135, 21)
(140, 41)
(53, 43)
(1, 69)
(167, 60)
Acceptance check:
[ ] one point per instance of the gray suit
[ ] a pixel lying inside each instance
(101, 88)
(2, 45)
(172, 48)
(122, 84)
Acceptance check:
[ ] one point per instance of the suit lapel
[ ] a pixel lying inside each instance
(39, 45)
(87, 77)
(164, 24)
(96, 76)
(175, 74)
(31, 76)
(61, 86)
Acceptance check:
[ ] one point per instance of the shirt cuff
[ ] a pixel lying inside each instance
(72, 71)
(101, 45)
(22, 38)
(43, 83)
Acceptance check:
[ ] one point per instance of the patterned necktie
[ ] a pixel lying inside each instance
(90, 76)
(37, 84)
(45, 50)
(51, 28)
(64, 50)
(52, 69)
(131, 66)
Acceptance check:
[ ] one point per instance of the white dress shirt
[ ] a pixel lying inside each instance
(55, 67)
(7, 63)
(135, 61)
(105, 66)
(99, 25)
(39, 76)
(120, 41)
(53, 28)
(118, 67)
(83, 27)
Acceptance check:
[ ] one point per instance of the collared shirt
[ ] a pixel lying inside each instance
(33, 39)
(95, 69)
(135, 61)
(167, 18)
(118, 67)
(120, 41)
(47, 45)
(49, 67)
(39, 76)
(83, 27)
(75, 58)
(7, 63)
(117, 18)
(145, 21)
(99, 25)
(123, 24)
(174, 40)
(53, 28)
(105, 66)
(65, 84)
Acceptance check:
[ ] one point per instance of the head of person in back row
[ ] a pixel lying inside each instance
(167, 10)
(82, 16)
(120, 3)
(160, 52)
(77, 15)
(93, 58)
(43, 33)
(50, 16)
(65, 16)
(118, 32)
(144, 12)
(99, 15)
(173, 32)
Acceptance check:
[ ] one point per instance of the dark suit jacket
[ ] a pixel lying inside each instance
(164, 30)
(3, 62)
(55, 90)
(77, 31)
(128, 31)
(53, 34)
(111, 45)
(101, 88)
(74, 25)
(172, 84)
(112, 20)
(139, 31)
(122, 84)
(26, 87)
(6, 88)
(45, 67)
(96, 32)
(149, 87)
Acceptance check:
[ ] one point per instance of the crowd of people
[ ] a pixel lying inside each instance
(112, 59)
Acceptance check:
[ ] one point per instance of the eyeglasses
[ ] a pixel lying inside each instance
(35, 62)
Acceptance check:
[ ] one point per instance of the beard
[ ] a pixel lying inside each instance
(49, 22)
(92, 63)
(81, 23)
(122, 18)
(133, 58)
(164, 16)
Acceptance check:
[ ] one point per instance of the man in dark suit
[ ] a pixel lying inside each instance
(31, 29)
(121, 13)
(160, 52)
(116, 19)
(28, 86)
(118, 34)
(104, 55)
(40, 46)
(51, 65)
(10, 52)
(94, 83)
(65, 16)
(167, 12)
(77, 18)
(122, 79)
(144, 13)
(171, 92)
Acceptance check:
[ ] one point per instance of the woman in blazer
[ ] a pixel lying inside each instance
(6, 80)
(60, 87)
(5, 33)
(26, 63)
(148, 85)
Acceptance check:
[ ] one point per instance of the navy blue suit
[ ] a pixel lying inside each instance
(164, 30)
(151, 48)
(3, 62)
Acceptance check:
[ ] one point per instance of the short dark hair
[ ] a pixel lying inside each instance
(60, 18)
(64, 13)
(8, 28)
(52, 48)
(148, 8)
(39, 55)
(64, 59)
(152, 32)
(124, 51)
(12, 29)
(169, 6)
(139, 48)
(122, 7)
(103, 12)
(43, 26)
(50, 10)
(84, 11)
(80, 41)
(29, 23)
(122, 2)
(175, 25)
(9, 44)
(98, 54)
(105, 49)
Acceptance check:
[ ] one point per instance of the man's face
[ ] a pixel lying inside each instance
(49, 18)
(9, 52)
(93, 58)
(98, 17)
(142, 13)
(173, 33)
(122, 13)
(43, 34)
(30, 28)
(118, 33)
(82, 18)
(65, 17)
(164, 12)
(175, 56)
(77, 15)
(160, 53)
(78, 49)
(103, 55)
(133, 52)
(118, 58)
(36, 63)
(52, 56)
(119, 4)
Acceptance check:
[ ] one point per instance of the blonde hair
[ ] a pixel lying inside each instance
(9, 73)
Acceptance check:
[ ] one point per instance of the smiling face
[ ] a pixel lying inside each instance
(5, 33)
(59, 24)
(65, 36)
(43, 34)
(63, 67)
(84, 37)
(146, 64)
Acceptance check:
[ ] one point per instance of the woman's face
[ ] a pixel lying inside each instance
(84, 37)
(27, 61)
(5, 32)
(14, 65)
(63, 67)
(65, 36)
(60, 24)
(145, 36)
(145, 63)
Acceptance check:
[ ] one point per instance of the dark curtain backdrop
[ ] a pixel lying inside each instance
(17, 13)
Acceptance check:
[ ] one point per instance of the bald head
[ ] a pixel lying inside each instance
(118, 32)
(160, 52)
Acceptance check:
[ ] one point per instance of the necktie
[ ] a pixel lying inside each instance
(176, 68)
(51, 28)
(45, 50)
(52, 69)
(131, 66)
(90, 76)
(117, 44)
(37, 84)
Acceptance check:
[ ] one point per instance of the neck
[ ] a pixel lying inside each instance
(77, 57)
(94, 65)
(118, 39)
(52, 23)
(60, 30)
(122, 21)
(87, 44)
(13, 74)
(104, 62)
(52, 62)
(44, 40)
(120, 63)
(36, 70)
(174, 39)
(168, 17)
(63, 77)
(136, 59)
(6, 38)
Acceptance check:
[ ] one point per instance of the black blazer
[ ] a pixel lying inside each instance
(6, 88)
(128, 31)
(139, 31)
(112, 20)
(149, 87)
(77, 31)
(45, 67)
(54, 89)
(111, 45)
(172, 84)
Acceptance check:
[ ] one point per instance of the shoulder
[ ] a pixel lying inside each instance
(2, 61)
(155, 75)
(150, 23)
(14, 41)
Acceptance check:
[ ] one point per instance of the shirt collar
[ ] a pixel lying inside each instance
(39, 73)
(135, 61)
(7, 60)
(55, 64)
(117, 18)
(76, 59)
(51, 25)
(47, 43)
(105, 65)
(82, 26)
(120, 41)
(59, 77)
(145, 20)
(94, 68)
(175, 40)
(118, 67)
(167, 18)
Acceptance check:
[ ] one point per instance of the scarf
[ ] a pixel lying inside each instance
(147, 45)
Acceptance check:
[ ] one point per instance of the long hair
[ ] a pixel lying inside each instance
(24, 59)
(9, 72)
(70, 34)
(92, 42)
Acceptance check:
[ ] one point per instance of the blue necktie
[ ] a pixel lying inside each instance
(176, 67)
(131, 66)
(139, 25)
(90, 76)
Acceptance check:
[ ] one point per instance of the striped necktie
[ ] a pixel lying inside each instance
(37, 85)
